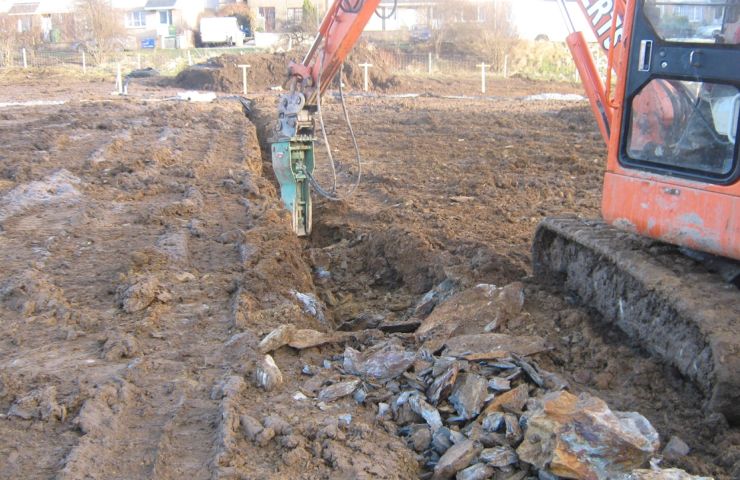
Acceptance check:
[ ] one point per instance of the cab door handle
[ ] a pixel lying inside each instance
(695, 58)
(646, 56)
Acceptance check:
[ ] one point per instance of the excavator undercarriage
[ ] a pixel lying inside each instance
(667, 303)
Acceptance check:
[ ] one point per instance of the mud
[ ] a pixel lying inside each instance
(133, 301)
(269, 71)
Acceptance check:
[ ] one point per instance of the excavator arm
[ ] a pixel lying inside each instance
(293, 140)
(606, 19)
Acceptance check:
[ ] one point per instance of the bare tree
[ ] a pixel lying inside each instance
(240, 10)
(310, 17)
(15, 35)
(484, 30)
(302, 30)
(497, 33)
(8, 39)
(102, 26)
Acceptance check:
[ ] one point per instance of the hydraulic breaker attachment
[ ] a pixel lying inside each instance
(292, 161)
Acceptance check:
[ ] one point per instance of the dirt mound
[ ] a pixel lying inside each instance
(222, 74)
(381, 75)
(267, 70)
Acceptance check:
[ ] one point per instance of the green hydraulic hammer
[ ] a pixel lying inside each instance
(293, 159)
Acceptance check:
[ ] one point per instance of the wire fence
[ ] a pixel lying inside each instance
(168, 61)
(536, 60)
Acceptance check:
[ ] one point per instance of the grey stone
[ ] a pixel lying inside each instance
(499, 456)
(499, 384)
(675, 449)
(265, 437)
(468, 395)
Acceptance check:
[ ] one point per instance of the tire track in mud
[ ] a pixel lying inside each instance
(179, 435)
(156, 419)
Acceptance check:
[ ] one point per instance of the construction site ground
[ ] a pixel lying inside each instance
(145, 254)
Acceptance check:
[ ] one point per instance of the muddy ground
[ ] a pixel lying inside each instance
(145, 254)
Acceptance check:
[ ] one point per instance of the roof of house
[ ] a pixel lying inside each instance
(23, 8)
(160, 4)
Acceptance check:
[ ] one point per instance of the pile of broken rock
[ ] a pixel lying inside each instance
(475, 406)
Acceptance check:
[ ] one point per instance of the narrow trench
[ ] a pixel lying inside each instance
(367, 279)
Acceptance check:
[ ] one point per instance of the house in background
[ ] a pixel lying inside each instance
(276, 15)
(146, 19)
(407, 15)
(162, 23)
(532, 18)
(45, 16)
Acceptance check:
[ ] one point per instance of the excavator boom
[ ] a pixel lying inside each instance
(292, 144)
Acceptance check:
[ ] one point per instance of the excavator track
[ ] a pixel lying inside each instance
(668, 304)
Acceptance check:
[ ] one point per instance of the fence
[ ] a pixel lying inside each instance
(536, 60)
(167, 61)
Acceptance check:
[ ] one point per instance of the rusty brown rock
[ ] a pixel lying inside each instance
(140, 294)
(287, 334)
(277, 338)
(469, 308)
(471, 311)
(338, 390)
(511, 401)
(306, 338)
(382, 362)
(456, 458)
(509, 303)
(663, 474)
(581, 438)
(489, 346)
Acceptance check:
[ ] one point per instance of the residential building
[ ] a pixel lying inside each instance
(531, 18)
(164, 23)
(44, 16)
(402, 15)
(275, 15)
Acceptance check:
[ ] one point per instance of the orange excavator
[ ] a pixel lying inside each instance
(662, 264)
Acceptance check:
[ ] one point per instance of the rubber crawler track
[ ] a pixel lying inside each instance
(669, 305)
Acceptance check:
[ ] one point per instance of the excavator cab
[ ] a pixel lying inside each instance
(674, 160)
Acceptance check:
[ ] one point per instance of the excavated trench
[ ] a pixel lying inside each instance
(374, 277)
